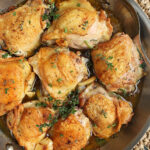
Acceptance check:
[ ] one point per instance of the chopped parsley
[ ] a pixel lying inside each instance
(48, 25)
(50, 85)
(44, 17)
(65, 30)
(110, 57)
(5, 55)
(41, 104)
(21, 27)
(12, 81)
(67, 107)
(109, 64)
(104, 113)
(54, 66)
(94, 125)
(87, 44)
(112, 126)
(100, 141)
(59, 80)
(59, 92)
(56, 104)
(55, 16)
(78, 4)
(124, 92)
(6, 90)
(51, 14)
(50, 98)
(21, 61)
(44, 125)
(143, 65)
(114, 94)
(29, 21)
(61, 135)
(56, 50)
(84, 25)
(14, 13)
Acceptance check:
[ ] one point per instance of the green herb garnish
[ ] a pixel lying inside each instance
(59, 92)
(54, 66)
(5, 55)
(61, 135)
(50, 98)
(78, 4)
(48, 25)
(41, 104)
(6, 90)
(100, 141)
(65, 30)
(109, 64)
(104, 113)
(14, 13)
(59, 80)
(87, 44)
(143, 65)
(67, 107)
(113, 125)
(50, 85)
(124, 92)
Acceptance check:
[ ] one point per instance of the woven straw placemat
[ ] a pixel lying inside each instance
(145, 5)
(144, 143)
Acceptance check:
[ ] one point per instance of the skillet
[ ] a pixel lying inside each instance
(134, 23)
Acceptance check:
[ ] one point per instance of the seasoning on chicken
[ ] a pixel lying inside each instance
(16, 81)
(23, 121)
(21, 28)
(78, 26)
(117, 63)
(59, 69)
(108, 113)
(72, 133)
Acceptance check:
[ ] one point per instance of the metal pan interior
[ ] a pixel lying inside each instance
(141, 121)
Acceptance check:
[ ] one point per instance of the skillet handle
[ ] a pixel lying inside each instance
(144, 36)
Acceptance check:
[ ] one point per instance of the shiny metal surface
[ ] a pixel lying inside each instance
(132, 24)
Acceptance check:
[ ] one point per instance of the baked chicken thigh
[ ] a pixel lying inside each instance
(21, 28)
(16, 81)
(79, 26)
(23, 121)
(72, 133)
(117, 63)
(107, 112)
(59, 69)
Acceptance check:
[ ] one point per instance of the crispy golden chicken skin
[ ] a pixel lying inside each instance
(20, 29)
(117, 63)
(72, 133)
(22, 122)
(59, 70)
(78, 26)
(45, 144)
(16, 81)
(107, 112)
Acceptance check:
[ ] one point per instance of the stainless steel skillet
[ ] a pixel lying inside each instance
(134, 24)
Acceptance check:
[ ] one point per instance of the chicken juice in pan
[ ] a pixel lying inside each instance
(99, 138)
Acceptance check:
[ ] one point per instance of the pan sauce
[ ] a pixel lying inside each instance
(94, 142)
